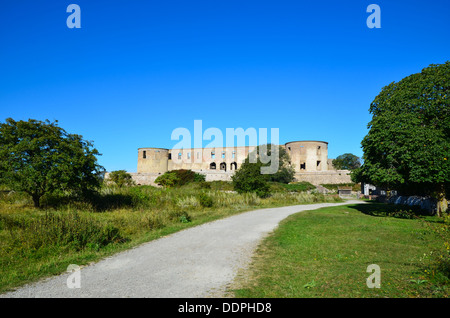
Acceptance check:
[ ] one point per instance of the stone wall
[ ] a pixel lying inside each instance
(324, 177)
(306, 156)
(315, 178)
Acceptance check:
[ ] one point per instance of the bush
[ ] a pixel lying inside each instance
(204, 185)
(249, 179)
(168, 180)
(120, 178)
(177, 178)
(205, 200)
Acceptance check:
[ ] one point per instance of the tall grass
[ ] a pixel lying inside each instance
(34, 243)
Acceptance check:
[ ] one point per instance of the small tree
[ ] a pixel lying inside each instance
(121, 178)
(39, 157)
(347, 161)
(248, 178)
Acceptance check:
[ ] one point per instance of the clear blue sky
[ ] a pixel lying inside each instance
(136, 69)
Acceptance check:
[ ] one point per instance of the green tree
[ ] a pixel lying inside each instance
(248, 178)
(121, 178)
(347, 161)
(179, 177)
(407, 147)
(39, 157)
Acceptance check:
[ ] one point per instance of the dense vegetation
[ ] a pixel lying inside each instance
(69, 229)
(180, 177)
(40, 157)
(251, 177)
(347, 161)
(407, 147)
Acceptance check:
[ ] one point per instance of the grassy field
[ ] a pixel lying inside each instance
(36, 243)
(326, 252)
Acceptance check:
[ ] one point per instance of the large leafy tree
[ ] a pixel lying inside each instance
(40, 157)
(408, 144)
(347, 161)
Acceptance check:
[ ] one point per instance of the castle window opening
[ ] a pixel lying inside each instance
(144, 154)
(233, 154)
(223, 154)
(223, 166)
(233, 166)
(212, 166)
(189, 155)
(179, 155)
(213, 155)
(170, 156)
(303, 166)
(318, 164)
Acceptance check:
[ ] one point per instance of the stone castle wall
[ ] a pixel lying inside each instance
(308, 158)
(325, 177)
(315, 178)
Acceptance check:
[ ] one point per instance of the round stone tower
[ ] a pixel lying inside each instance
(308, 155)
(152, 160)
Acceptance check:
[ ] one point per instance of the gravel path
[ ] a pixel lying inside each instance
(194, 263)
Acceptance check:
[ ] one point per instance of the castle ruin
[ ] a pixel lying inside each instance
(308, 158)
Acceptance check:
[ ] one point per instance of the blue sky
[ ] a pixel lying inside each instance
(137, 70)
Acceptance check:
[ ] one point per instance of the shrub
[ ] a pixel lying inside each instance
(176, 178)
(181, 216)
(249, 179)
(120, 178)
(168, 180)
(205, 200)
(204, 185)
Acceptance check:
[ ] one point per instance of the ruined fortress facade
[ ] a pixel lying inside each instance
(308, 158)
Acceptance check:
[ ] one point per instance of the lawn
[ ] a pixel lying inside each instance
(326, 253)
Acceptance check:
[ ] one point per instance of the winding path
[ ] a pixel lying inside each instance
(194, 263)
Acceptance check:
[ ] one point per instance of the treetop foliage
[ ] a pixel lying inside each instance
(40, 157)
(408, 144)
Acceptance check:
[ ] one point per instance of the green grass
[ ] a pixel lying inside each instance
(326, 252)
(39, 243)
(291, 187)
(334, 187)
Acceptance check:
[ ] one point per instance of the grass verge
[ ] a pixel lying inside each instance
(38, 243)
(325, 254)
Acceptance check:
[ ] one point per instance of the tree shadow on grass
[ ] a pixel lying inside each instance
(94, 202)
(378, 209)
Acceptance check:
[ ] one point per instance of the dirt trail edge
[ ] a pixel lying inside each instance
(197, 262)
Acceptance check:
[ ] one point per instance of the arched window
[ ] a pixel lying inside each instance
(212, 166)
(223, 166)
(233, 166)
